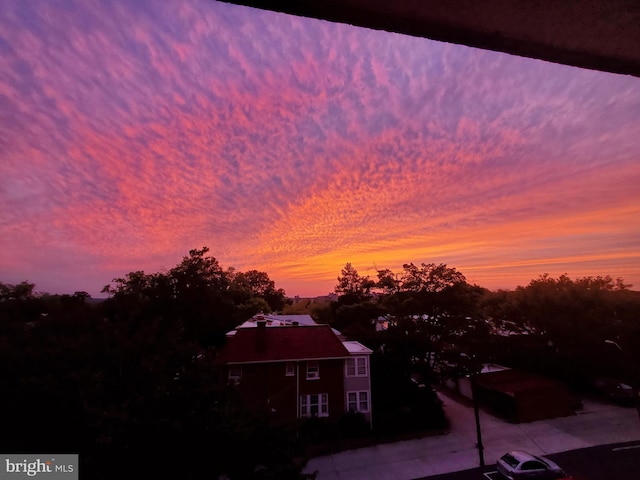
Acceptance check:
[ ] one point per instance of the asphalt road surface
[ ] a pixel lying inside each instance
(619, 461)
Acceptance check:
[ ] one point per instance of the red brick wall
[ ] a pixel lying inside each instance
(266, 388)
(331, 382)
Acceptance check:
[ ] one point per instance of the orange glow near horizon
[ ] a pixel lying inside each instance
(294, 146)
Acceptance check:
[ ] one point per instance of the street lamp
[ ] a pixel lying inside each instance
(611, 342)
(476, 413)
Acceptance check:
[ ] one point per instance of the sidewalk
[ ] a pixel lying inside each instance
(596, 424)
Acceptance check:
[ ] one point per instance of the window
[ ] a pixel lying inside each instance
(356, 367)
(235, 375)
(510, 460)
(358, 401)
(533, 465)
(290, 369)
(315, 405)
(313, 370)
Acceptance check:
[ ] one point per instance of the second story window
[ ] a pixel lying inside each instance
(356, 367)
(290, 369)
(235, 375)
(313, 370)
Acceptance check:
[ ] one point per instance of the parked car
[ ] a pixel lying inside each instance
(520, 465)
(616, 390)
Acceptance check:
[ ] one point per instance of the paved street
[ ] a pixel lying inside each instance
(620, 461)
(596, 424)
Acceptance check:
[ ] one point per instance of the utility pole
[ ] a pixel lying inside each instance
(476, 412)
(477, 415)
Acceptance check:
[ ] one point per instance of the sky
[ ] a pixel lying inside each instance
(133, 132)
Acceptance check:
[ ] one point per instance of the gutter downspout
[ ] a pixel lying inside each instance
(368, 357)
(298, 389)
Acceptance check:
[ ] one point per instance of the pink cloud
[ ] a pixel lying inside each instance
(294, 146)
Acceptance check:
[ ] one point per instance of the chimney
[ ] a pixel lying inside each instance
(261, 341)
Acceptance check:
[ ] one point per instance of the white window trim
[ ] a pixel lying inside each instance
(313, 375)
(305, 405)
(358, 394)
(356, 373)
(290, 369)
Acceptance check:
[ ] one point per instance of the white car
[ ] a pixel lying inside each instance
(522, 465)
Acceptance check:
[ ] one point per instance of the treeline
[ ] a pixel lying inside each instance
(438, 324)
(414, 318)
(198, 297)
(575, 330)
(130, 383)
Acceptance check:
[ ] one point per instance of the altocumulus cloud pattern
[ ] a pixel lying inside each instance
(131, 132)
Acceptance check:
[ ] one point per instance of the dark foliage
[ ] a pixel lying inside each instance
(573, 330)
(130, 383)
(578, 331)
(401, 404)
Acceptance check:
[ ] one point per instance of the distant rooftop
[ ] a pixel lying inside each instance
(275, 320)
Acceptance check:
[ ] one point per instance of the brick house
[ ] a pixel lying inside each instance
(296, 371)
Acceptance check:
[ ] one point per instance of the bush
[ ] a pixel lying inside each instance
(354, 425)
